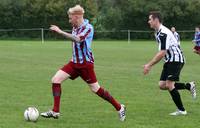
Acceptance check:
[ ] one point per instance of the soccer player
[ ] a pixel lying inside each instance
(81, 64)
(196, 41)
(176, 35)
(174, 60)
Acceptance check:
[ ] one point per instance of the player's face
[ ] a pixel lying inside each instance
(173, 29)
(73, 20)
(196, 29)
(152, 22)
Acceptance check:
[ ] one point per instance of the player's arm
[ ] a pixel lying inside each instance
(197, 38)
(179, 38)
(163, 41)
(157, 58)
(153, 61)
(193, 41)
(65, 34)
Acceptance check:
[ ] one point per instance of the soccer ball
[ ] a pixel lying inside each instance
(31, 114)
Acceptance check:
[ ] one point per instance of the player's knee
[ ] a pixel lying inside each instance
(56, 80)
(162, 85)
(170, 86)
(94, 87)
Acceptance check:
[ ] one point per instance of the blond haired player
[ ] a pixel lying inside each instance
(81, 64)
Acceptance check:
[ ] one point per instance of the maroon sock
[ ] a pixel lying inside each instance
(56, 90)
(106, 96)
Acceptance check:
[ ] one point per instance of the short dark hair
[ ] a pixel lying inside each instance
(156, 14)
(197, 27)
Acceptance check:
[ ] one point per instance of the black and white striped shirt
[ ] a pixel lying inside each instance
(176, 35)
(168, 42)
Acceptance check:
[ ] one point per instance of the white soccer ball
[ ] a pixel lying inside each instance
(31, 114)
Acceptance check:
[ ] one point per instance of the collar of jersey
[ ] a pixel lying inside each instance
(85, 22)
(159, 29)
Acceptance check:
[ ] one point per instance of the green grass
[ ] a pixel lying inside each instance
(26, 68)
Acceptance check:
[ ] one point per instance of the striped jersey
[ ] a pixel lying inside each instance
(167, 41)
(82, 50)
(197, 38)
(176, 35)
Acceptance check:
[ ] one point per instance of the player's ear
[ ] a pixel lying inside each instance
(157, 20)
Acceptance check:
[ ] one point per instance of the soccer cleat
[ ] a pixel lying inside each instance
(122, 113)
(178, 112)
(50, 114)
(193, 89)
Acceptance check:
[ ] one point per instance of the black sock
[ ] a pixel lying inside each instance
(187, 86)
(177, 99)
(180, 86)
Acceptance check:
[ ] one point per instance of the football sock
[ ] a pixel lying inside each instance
(106, 96)
(177, 99)
(180, 86)
(56, 90)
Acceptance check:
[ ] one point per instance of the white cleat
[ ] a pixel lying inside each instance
(50, 114)
(122, 113)
(193, 89)
(178, 112)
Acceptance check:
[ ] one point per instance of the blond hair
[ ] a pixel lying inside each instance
(76, 10)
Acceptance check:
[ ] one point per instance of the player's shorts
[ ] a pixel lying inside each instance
(197, 48)
(85, 71)
(171, 71)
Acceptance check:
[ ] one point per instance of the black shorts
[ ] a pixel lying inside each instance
(171, 71)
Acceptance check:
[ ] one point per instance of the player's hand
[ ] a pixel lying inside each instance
(55, 29)
(146, 69)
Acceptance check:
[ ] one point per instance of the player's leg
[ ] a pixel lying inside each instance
(196, 50)
(101, 92)
(57, 79)
(190, 86)
(63, 74)
(163, 77)
(162, 85)
(176, 98)
(89, 76)
(173, 73)
(181, 86)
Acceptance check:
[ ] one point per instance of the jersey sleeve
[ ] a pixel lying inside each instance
(88, 31)
(179, 38)
(163, 39)
(197, 38)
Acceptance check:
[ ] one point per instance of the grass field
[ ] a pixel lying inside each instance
(26, 68)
